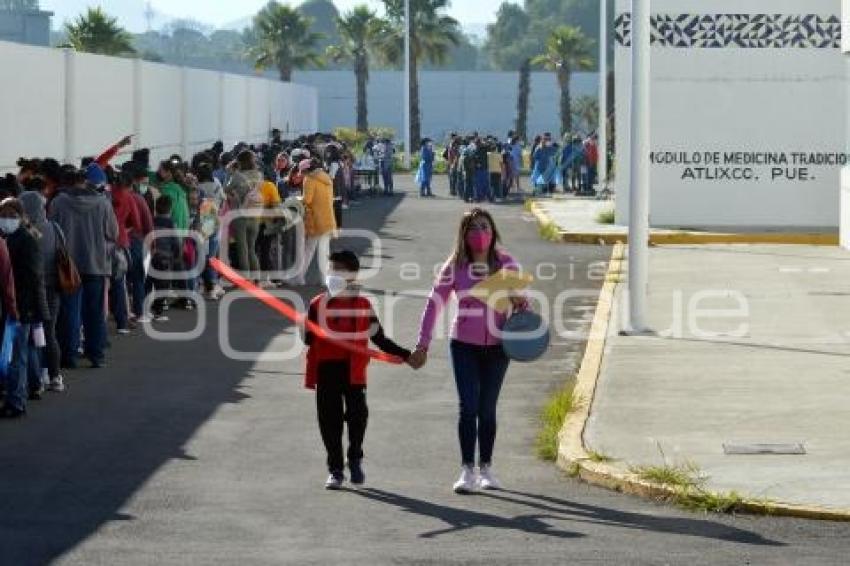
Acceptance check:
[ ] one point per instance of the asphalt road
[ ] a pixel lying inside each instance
(177, 454)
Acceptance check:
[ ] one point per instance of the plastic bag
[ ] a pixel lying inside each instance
(9, 334)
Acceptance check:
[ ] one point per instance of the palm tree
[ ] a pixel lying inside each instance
(283, 40)
(357, 32)
(97, 32)
(567, 50)
(432, 35)
(586, 112)
(511, 45)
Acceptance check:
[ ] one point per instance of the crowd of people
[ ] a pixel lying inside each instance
(483, 168)
(85, 244)
(573, 165)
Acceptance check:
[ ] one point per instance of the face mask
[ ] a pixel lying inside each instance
(479, 240)
(335, 284)
(9, 225)
(143, 188)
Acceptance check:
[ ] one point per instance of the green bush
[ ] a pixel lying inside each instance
(353, 138)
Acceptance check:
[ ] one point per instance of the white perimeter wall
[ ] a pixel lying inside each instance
(69, 105)
(738, 99)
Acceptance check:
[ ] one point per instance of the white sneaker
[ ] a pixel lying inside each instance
(267, 284)
(144, 319)
(335, 481)
(467, 482)
(219, 291)
(486, 479)
(124, 331)
(57, 384)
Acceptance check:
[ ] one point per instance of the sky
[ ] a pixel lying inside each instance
(219, 13)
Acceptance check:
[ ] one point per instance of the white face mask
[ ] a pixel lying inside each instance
(336, 284)
(143, 188)
(9, 225)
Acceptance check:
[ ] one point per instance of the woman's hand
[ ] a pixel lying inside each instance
(418, 358)
(520, 303)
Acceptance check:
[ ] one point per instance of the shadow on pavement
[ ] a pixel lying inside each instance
(462, 519)
(545, 507)
(670, 525)
(69, 467)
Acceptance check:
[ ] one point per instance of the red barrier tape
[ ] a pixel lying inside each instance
(298, 318)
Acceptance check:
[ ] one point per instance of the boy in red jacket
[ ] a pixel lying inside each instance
(339, 375)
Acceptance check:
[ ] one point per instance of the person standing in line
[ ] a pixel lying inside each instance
(24, 376)
(129, 222)
(136, 275)
(90, 227)
(426, 168)
(211, 196)
(478, 360)
(516, 162)
(52, 239)
(243, 194)
(319, 218)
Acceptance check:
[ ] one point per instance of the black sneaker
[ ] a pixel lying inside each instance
(335, 481)
(12, 413)
(357, 475)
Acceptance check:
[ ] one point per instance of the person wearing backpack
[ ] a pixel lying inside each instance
(243, 193)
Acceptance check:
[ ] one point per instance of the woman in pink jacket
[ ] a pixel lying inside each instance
(478, 360)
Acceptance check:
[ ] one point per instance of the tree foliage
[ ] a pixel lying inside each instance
(97, 32)
(284, 40)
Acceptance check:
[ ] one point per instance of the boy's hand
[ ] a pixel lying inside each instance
(418, 358)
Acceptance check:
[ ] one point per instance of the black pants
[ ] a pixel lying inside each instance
(337, 402)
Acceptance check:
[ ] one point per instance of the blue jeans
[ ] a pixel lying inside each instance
(387, 175)
(118, 300)
(136, 276)
(17, 379)
(482, 185)
(210, 275)
(83, 308)
(479, 373)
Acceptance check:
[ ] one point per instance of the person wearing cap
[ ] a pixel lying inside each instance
(338, 375)
(478, 360)
(319, 218)
(90, 227)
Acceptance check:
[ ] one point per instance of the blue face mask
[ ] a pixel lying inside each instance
(9, 225)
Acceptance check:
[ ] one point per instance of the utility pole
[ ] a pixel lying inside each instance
(602, 134)
(639, 174)
(408, 148)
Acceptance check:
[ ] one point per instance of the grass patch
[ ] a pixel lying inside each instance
(574, 470)
(550, 232)
(687, 483)
(598, 457)
(528, 204)
(605, 217)
(682, 476)
(552, 419)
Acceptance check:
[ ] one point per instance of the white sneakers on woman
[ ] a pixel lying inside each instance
(469, 481)
(486, 479)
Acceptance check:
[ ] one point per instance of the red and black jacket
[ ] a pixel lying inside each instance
(350, 319)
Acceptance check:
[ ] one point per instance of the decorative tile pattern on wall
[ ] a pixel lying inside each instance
(749, 31)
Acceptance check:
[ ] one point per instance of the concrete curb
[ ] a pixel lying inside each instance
(684, 237)
(573, 455)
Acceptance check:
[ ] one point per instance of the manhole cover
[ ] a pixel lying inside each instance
(795, 448)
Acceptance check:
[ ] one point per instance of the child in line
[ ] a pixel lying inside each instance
(166, 255)
(338, 375)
